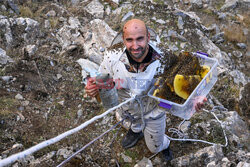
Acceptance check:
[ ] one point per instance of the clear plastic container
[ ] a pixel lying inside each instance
(186, 110)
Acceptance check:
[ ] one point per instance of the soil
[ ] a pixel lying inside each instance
(184, 64)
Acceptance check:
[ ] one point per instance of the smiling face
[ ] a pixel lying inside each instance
(136, 38)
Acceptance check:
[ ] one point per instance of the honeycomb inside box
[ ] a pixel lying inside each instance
(180, 76)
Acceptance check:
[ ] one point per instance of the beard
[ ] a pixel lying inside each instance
(137, 55)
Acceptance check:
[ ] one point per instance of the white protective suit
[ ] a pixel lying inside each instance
(153, 123)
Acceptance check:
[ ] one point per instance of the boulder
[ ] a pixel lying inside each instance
(95, 8)
(99, 36)
(201, 158)
(4, 59)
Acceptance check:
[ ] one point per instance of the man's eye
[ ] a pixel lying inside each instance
(129, 40)
(140, 39)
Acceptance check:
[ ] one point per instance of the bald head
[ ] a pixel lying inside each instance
(134, 24)
(136, 37)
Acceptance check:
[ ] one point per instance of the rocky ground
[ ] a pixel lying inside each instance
(41, 88)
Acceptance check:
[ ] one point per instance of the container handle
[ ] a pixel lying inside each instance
(202, 53)
(165, 105)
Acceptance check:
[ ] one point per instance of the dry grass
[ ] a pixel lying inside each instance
(26, 12)
(7, 105)
(246, 20)
(54, 22)
(234, 33)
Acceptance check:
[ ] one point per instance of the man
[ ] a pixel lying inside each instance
(133, 70)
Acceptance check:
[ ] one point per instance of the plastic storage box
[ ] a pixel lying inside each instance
(186, 110)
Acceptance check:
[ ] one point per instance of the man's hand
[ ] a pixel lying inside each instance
(91, 88)
(199, 102)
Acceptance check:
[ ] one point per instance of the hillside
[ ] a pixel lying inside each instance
(42, 90)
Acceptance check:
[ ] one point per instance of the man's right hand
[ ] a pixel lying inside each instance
(91, 88)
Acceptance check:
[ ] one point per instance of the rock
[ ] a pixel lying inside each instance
(201, 157)
(75, 2)
(64, 153)
(245, 99)
(19, 97)
(26, 161)
(225, 162)
(13, 6)
(116, 1)
(4, 59)
(197, 2)
(31, 50)
(211, 164)
(242, 45)
(180, 23)
(173, 47)
(126, 158)
(47, 157)
(47, 24)
(25, 103)
(185, 126)
(61, 102)
(74, 22)
(58, 76)
(108, 10)
(222, 16)
(238, 77)
(208, 45)
(79, 113)
(99, 35)
(7, 78)
(3, 8)
(237, 54)
(15, 149)
(218, 38)
(69, 34)
(174, 35)
(124, 7)
(20, 116)
(229, 4)
(95, 8)
(235, 125)
(243, 164)
(51, 13)
(183, 14)
(127, 16)
(160, 21)
(226, 60)
(23, 29)
(5, 25)
(88, 67)
(145, 162)
(31, 24)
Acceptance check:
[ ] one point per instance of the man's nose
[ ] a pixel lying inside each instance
(134, 45)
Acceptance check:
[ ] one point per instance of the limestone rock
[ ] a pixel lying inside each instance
(64, 153)
(229, 4)
(201, 157)
(88, 67)
(126, 158)
(145, 162)
(100, 35)
(4, 59)
(70, 34)
(95, 8)
(235, 125)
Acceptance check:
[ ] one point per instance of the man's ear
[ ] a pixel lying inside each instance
(148, 36)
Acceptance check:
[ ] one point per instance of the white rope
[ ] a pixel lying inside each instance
(11, 159)
(182, 136)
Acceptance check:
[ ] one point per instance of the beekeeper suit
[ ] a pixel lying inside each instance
(133, 67)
